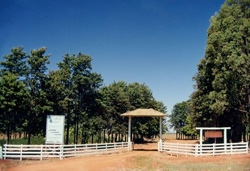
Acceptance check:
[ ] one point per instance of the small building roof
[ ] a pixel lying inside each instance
(144, 113)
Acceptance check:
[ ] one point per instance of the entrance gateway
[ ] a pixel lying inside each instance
(144, 113)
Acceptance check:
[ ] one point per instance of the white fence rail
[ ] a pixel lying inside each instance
(61, 151)
(204, 149)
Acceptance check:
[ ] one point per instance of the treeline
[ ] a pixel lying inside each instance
(222, 95)
(29, 92)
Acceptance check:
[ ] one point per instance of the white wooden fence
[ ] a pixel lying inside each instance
(62, 151)
(204, 149)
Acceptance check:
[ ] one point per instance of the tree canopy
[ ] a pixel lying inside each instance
(222, 95)
(29, 92)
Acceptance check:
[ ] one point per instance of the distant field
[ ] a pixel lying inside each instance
(169, 136)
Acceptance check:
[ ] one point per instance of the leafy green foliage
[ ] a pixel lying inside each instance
(15, 62)
(29, 92)
(12, 96)
(119, 97)
(13, 92)
(223, 85)
(181, 118)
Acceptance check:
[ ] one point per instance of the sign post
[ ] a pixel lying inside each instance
(55, 129)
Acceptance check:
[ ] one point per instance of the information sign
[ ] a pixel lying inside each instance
(55, 129)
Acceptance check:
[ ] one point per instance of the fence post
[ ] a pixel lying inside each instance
(231, 148)
(201, 146)
(225, 147)
(1, 152)
(177, 150)
(186, 150)
(106, 146)
(21, 152)
(246, 147)
(41, 158)
(61, 152)
(96, 148)
(130, 146)
(213, 148)
(5, 147)
(75, 149)
(196, 150)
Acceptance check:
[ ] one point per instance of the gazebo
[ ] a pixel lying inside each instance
(144, 113)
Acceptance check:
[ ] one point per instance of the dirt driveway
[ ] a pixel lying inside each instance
(144, 157)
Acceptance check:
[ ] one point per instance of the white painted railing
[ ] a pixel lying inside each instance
(204, 149)
(61, 151)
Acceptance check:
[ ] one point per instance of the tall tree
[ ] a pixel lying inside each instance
(13, 96)
(179, 115)
(223, 78)
(15, 62)
(39, 106)
(85, 89)
(13, 91)
(115, 101)
(120, 97)
(61, 91)
(73, 90)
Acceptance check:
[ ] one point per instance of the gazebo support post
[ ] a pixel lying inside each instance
(129, 133)
(160, 136)
(160, 141)
(129, 129)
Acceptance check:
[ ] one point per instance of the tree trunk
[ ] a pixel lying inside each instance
(119, 138)
(29, 137)
(77, 130)
(92, 138)
(104, 136)
(8, 134)
(244, 133)
(100, 137)
(67, 129)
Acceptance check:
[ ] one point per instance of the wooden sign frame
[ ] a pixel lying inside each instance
(213, 134)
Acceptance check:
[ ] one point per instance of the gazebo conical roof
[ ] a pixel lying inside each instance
(144, 113)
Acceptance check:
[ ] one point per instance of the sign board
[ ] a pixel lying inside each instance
(213, 134)
(55, 129)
